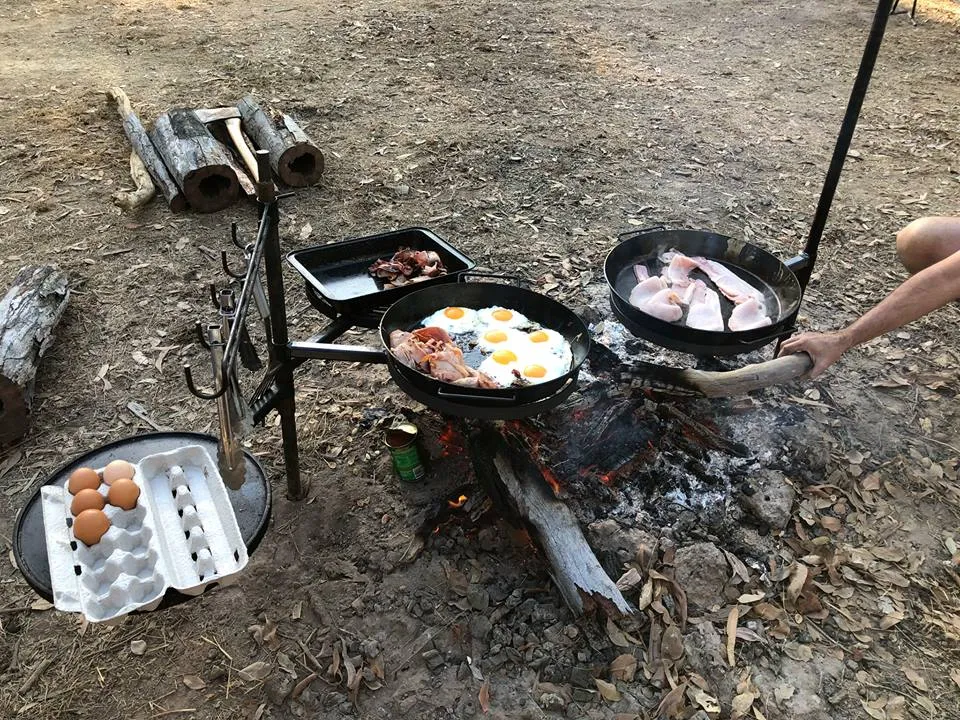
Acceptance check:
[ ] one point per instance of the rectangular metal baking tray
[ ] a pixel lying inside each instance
(337, 272)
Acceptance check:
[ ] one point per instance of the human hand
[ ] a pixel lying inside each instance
(823, 348)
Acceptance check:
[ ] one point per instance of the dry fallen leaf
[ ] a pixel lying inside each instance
(955, 676)
(891, 619)
(256, 671)
(746, 599)
(646, 594)
(672, 703)
(732, 619)
(707, 702)
(607, 690)
(798, 576)
(623, 667)
(484, 697)
(194, 682)
(739, 569)
(871, 482)
(741, 705)
(916, 679)
(616, 635)
(873, 712)
(830, 523)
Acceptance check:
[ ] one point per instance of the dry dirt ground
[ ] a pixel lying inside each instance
(515, 130)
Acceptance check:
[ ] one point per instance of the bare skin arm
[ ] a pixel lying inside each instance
(923, 293)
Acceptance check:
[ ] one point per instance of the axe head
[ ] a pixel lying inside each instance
(209, 115)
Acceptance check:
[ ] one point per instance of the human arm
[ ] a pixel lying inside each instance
(923, 293)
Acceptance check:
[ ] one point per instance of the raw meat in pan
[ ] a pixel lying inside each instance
(704, 313)
(748, 315)
(646, 290)
(678, 271)
(730, 284)
(665, 305)
(641, 272)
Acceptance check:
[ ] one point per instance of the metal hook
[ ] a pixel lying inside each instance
(215, 343)
(214, 295)
(226, 267)
(188, 376)
(233, 235)
(200, 335)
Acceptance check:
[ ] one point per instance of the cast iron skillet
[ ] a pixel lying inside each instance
(407, 314)
(781, 289)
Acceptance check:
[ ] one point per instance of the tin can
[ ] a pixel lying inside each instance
(401, 441)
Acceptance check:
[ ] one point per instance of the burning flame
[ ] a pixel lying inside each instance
(458, 502)
(552, 480)
(450, 440)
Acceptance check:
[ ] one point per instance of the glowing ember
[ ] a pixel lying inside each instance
(552, 480)
(606, 479)
(450, 440)
(458, 502)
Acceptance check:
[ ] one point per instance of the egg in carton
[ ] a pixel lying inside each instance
(181, 534)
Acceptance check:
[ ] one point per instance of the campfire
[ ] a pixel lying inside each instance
(616, 451)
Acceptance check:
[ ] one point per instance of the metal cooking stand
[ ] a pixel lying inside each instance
(227, 341)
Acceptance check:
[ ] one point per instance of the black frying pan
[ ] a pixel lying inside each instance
(408, 313)
(780, 287)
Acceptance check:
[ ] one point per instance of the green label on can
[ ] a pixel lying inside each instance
(406, 461)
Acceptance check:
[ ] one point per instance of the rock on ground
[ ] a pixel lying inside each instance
(701, 570)
(769, 499)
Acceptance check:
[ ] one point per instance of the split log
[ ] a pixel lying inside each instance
(516, 483)
(29, 313)
(141, 144)
(145, 187)
(201, 166)
(724, 383)
(731, 383)
(293, 156)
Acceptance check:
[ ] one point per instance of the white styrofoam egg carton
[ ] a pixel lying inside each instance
(182, 534)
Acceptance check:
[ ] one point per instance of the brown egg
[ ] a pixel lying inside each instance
(124, 493)
(83, 479)
(90, 526)
(116, 470)
(85, 500)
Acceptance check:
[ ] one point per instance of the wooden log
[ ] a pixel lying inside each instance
(731, 383)
(726, 383)
(197, 161)
(29, 313)
(293, 156)
(145, 187)
(141, 144)
(516, 483)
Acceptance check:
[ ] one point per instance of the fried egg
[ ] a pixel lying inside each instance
(500, 317)
(455, 320)
(546, 340)
(501, 367)
(491, 339)
(541, 367)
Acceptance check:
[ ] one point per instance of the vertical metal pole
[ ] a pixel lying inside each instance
(273, 264)
(843, 140)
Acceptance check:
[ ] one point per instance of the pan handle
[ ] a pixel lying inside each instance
(331, 351)
(514, 279)
(633, 233)
(492, 400)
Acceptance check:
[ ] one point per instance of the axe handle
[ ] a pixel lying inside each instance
(233, 127)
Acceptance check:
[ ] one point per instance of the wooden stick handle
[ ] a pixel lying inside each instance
(779, 371)
(233, 127)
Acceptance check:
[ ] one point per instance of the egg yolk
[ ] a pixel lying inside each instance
(454, 313)
(504, 357)
(495, 336)
(535, 371)
(539, 336)
(501, 315)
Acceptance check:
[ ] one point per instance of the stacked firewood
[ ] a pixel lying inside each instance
(203, 159)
